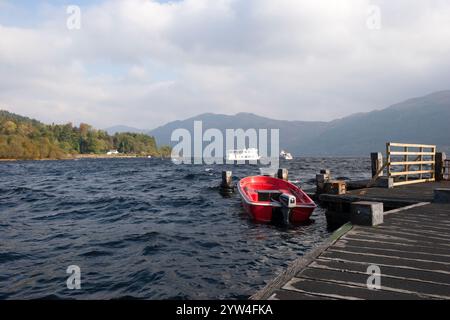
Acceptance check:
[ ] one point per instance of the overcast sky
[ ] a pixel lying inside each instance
(144, 62)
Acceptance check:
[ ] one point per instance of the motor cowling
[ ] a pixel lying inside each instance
(288, 200)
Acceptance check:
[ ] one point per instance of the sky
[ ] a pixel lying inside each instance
(143, 63)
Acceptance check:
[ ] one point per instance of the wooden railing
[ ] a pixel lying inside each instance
(410, 163)
(447, 169)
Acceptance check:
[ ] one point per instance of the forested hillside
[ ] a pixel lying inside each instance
(25, 138)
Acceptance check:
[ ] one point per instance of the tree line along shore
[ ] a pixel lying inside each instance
(22, 138)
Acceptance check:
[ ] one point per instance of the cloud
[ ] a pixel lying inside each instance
(143, 62)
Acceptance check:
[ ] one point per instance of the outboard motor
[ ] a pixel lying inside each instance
(288, 202)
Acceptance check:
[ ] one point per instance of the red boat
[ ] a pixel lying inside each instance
(269, 199)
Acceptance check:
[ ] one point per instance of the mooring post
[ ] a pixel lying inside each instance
(367, 213)
(336, 187)
(385, 182)
(227, 182)
(440, 166)
(377, 162)
(283, 174)
(321, 179)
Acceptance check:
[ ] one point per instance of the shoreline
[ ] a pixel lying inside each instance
(86, 156)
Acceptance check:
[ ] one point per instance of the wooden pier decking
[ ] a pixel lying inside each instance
(397, 197)
(411, 248)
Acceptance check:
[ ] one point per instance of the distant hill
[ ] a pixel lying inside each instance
(423, 120)
(419, 120)
(122, 129)
(293, 133)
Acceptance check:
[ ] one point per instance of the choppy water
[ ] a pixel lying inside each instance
(144, 228)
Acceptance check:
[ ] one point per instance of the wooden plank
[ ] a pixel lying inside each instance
(395, 144)
(294, 295)
(373, 244)
(407, 254)
(413, 235)
(397, 240)
(404, 285)
(403, 183)
(442, 265)
(410, 153)
(423, 229)
(298, 265)
(388, 271)
(401, 163)
(392, 261)
(343, 291)
(428, 219)
(405, 173)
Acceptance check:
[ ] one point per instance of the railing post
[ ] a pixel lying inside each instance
(388, 159)
(433, 168)
(283, 174)
(440, 166)
(321, 179)
(405, 159)
(447, 170)
(421, 159)
(377, 162)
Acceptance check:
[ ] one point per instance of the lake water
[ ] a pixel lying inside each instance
(145, 228)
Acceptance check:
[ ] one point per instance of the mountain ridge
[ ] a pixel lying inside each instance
(418, 120)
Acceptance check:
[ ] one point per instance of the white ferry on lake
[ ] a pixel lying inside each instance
(243, 155)
(286, 155)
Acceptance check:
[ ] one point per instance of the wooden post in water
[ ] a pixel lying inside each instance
(227, 182)
(377, 162)
(321, 179)
(336, 187)
(283, 174)
(440, 166)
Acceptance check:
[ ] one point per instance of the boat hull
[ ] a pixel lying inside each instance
(269, 211)
(270, 214)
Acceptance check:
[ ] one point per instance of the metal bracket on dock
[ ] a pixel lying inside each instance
(441, 195)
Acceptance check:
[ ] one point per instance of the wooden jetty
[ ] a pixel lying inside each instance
(411, 248)
(399, 228)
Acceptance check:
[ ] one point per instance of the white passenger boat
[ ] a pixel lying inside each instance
(286, 155)
(250, 154)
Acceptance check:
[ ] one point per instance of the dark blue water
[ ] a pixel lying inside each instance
(144, 228)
